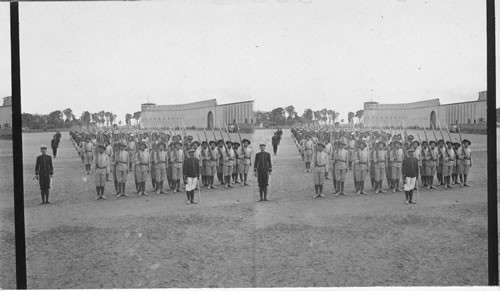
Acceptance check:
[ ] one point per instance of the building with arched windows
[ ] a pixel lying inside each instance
(202, 114)
(425, 113)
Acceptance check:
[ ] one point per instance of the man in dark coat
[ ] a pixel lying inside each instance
(54, 144)
(275, 141)
(43, 173)
(262, 170)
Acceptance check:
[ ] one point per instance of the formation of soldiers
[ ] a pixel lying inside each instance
(396, 157)
(175, 158)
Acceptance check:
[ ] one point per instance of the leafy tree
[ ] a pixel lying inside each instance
(55, 119)
(95, 118)
(278, 115)
(85, 118)
(317, 115)
(308, 115)
(137, 116)
(291, 111)
(359, 115)
(68, 113)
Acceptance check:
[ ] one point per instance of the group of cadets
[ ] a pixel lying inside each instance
(397, 158)
(179, 160)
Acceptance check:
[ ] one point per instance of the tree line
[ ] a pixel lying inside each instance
(283, 116)
(67, 119)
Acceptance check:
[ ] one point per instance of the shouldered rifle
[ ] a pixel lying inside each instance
(441, 130)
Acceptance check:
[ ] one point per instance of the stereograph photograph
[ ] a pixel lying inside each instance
(248, 143)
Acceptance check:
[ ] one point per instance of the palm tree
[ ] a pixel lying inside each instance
(137, 116)
(350, 117)
(107, 115)
(359, 115)
(68, 113)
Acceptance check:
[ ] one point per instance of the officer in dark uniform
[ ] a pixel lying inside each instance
(262, 170)
(43, 173)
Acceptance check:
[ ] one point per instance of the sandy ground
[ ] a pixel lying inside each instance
(229, 240)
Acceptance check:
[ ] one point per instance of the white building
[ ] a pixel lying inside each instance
(425, 113)
(202, 114)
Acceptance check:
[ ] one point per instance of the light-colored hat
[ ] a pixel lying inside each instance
(43, 146)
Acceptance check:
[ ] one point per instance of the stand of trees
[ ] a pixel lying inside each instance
(287, 116)
(67, 119)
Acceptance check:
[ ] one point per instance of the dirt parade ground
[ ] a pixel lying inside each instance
(230, 240)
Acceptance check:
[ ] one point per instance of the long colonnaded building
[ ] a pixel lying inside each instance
(425, 113)
(202, 114)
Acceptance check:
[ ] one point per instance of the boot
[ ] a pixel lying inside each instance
(321, 191)
(407, 195)
(465, 181)
(358, 188)
(362, 185)
(123, 190)
(337, 188)
(98, 190)
(411, 197)
(381, 189)
(261, 194)
(342, 188)
(316, 190)
(265, 194)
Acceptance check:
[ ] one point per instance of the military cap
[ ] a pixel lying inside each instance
(229, 142)
(410, 150)
(440, 141)
(340, 143)
(466, 141)
(397, 142)
(204, 143)
(220, 141)
(101, 147)
(411, 136)
(456, 144)
(123, 145)
(178, 143)
(191, 150)
(321, 145)
(432, 142)
(381, 142)
(362, 143)
(43, 146)
(236, 143)
(415, 142)
(212, 142)
(449, 142)
(162, 143)
(143, 144)
(195, 142)
(245, 140)
(262, 145)
(189, 137)
(424, 142)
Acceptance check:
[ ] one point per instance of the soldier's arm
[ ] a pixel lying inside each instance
(270, 164)
(37, 166)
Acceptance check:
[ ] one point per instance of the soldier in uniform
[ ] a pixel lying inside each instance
(319, 166)
(360, 162)
(448, 163)
(341, 159)
(142, 162)
(308, 152)
(236, 150)
(54, 143)
(191, 172)
(262, 170)
(213, 155)
(43, 173)
(170, 179)
(431, 163)
(228, 157)
(397, 157)
(160, 160)
(89, 155)
(380, 160)
(245, 161)
(101, 170)
(388, 169)
(152, 167)
(122, 168)
(220, 162)
(177, 159)
(464, 156)
(204, 160)
(410, 174)
(439, 166)
(424, 158)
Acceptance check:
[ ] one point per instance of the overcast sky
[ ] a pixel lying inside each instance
(113, 56)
